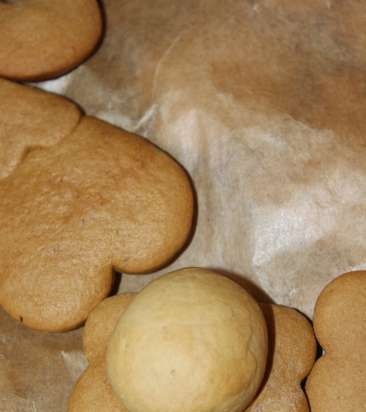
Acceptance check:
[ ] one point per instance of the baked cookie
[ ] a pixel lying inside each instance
(31, 118)
(100, 199)
(101, 323)
(93, 393)
(337, 382)
(292, 355)
(42, 39)
(290, 338)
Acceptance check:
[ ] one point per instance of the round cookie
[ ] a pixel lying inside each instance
(191, 341)
(337, 382)
(101, 323)
(292, 350)
(42, 38)
(100, 199)
(31, 118)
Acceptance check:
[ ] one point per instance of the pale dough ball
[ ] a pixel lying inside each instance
(191, 341)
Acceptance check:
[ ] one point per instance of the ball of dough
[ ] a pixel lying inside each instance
(191, 341)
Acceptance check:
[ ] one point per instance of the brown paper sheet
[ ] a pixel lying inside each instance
(37, 370)
(264, 103)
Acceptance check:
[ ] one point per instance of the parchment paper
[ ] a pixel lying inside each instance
(37, 370)
(264, 103)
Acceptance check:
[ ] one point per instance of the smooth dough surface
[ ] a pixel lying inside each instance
(191, 341)
(43, 38)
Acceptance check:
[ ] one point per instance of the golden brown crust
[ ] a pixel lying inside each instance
(337, 382)
(292, 355)
(31, 118)
(42, 38)
(99, 199)
(93, 393)
(101, 323)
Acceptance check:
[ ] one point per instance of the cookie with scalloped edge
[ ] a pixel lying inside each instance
(337, 382)
(101, 323)
(292, 348)
(99, 200)
(31, 118)
(93, 393)
(292, 355)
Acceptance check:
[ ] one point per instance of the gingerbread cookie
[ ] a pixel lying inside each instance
(292, 355)
(41, 38)
(337, 382)
(101, 323)
(100, 199)
(31, 118)
(93, 393)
